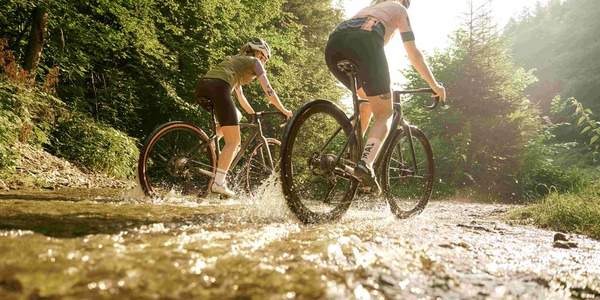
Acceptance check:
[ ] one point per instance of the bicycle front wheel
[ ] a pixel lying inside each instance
(316, 154)
(408, 182)
(262, 164)
(178, 157)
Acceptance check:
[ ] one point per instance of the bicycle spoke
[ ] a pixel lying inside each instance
(319, 145)
(405, 177)
(397, 161)
(408, 189)
(177, 160)
(257, 168)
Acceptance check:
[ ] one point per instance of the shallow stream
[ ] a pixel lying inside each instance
(98, 244)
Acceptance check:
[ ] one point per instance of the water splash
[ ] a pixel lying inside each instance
(136, 195)
(267, 203)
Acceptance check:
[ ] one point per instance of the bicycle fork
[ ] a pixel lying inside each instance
(413, 154)
(266, 142)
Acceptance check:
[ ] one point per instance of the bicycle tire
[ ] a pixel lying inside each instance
(292, 164)
(196, 185)
(257, 169)
(401, 189)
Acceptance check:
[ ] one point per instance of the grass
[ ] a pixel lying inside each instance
(95, 146)
(572, 212)
(31, 116)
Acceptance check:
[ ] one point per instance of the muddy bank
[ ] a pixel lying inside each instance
(37, 169)
(101, 246)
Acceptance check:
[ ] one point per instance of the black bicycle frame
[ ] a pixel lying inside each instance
(256, 131)
(398, 119)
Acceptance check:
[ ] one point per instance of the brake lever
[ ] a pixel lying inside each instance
(436, 104)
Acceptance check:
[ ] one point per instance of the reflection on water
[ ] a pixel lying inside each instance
(115, 244)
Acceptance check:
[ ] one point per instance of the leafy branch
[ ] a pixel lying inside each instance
(590, 128)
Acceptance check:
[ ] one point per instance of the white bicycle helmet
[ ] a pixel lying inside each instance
(257, 44)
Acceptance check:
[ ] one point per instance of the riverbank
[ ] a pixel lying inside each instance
(36, 169)
(577, 212)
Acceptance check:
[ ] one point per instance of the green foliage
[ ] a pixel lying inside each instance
(541, 181)
(26, 116)
(480, 142)
(96, 147)
(571, 212)
(583, 120)
(560, 42)
(29, 116)
(8, 138)
(542, 174)
(133, 64)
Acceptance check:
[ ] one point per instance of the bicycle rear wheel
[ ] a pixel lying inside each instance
(259, 168)
(407, 189)
(177, 157)
(316, 153)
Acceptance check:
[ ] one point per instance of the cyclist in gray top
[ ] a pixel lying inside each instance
(361, 40)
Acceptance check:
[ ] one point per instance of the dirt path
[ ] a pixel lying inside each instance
(102, 246)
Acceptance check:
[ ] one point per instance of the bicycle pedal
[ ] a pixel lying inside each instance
(347, 172)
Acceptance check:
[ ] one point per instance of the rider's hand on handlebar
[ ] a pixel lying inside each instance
(287, 113)
(440, 92)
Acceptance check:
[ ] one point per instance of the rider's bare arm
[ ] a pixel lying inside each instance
(239, 93)
(416, 57)
(268, 89)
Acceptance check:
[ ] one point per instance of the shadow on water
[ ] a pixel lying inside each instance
(70, 216)
(82, 224)
(70, 195)
(69, 225)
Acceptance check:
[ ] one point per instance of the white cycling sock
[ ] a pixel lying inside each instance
(220, 177)
(372, 148)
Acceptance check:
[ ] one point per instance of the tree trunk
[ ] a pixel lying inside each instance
(39, 24)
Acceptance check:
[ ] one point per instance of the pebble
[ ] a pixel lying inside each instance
(559, 236)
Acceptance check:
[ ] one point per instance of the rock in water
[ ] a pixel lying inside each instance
(559, 236)
(563, 241)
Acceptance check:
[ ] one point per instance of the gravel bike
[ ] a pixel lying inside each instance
(180, 157)
(321, 147)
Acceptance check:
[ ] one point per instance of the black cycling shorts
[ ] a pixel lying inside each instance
(365, 50)
(218, 92)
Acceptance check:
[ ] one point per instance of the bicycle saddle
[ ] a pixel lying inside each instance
(347, 66)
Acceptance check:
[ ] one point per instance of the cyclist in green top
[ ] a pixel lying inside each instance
(214, 94)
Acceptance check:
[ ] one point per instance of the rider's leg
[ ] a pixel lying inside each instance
(365, 112)
(219, 131)
(382, 108)
(232, 143)
(219, 135)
